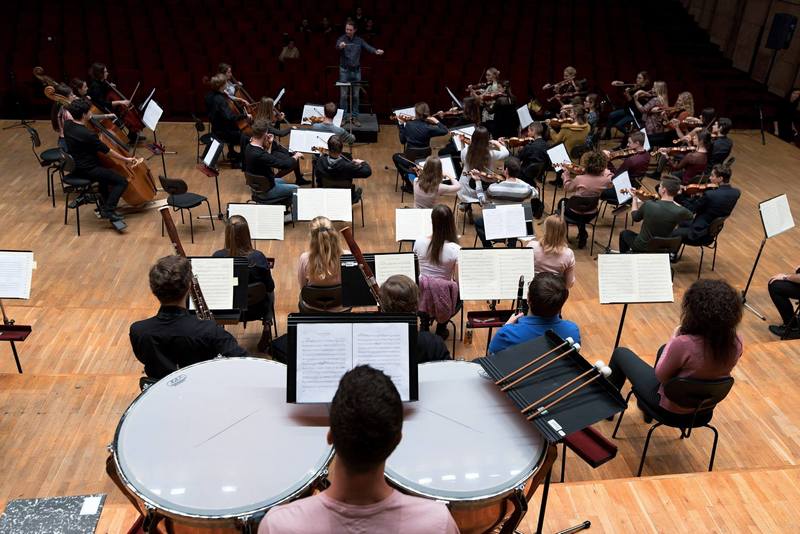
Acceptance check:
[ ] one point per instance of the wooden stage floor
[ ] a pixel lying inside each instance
(80, 374)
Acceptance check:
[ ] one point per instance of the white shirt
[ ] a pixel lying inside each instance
(449, 258)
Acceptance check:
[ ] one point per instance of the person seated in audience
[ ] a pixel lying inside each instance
(533, 156)
(261, 157)
(305, 27)
(239, 245)
(552, 254)
(325, 25)
(223, 119)
(416, 134)
(547, 294)
(595, 179)
(636, 165)
(366, 424)
(320, 265)
(705, 346)
(399, 294)
(511, 190)
(335, 167)
(430, 184)
(329, 113)
(173, 338)
(289, 52)
(659, 217)
(481, 154)
(786, 123)
(438, 259)
(721, 144)
(783, 288)
(707, 206)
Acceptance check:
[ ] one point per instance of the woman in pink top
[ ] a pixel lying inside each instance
(552, 254)
(595, 179)
(429, 185)
(705, 346)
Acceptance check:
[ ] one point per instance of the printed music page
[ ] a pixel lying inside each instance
(404, 111)
(646, 144)
(215, 276)
(387, 265)
(384, 346)
(310, 203)
(492, 274)
(305, 140)
(776, 215)
(558, 154)
(447, 167)
(265, 221)
(629, 278)
(324, 354)
(312, 110)
(215, 147)
(469, 130)
(514, 263)
(337, 205)
(152, 114)
(623, 181)
(524, 115)
(412, 223)
(504, 221)
(16, 268)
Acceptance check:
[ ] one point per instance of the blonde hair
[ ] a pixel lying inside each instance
(555, 235)
(324, 250)
(660, 89)
(685, 101)
(218, 81)
(265, 109)
(431, 175)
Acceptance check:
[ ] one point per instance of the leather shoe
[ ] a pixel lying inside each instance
(780, 331)
(111, 215)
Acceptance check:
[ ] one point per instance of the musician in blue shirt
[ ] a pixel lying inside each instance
(349, 47)
(546, 296)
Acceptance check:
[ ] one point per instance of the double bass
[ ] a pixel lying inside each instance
(129, 114)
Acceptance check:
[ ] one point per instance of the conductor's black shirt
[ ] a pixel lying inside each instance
(174, 339)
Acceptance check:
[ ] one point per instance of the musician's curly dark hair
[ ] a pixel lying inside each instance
(170, 278)
(366, 419)
(712, 309)
(399, 294)
(595, 163)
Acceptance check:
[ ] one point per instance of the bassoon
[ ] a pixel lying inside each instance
(347, 233)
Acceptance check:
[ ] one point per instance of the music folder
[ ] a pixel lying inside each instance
(356, 292)
(322, 348)
(591, 404)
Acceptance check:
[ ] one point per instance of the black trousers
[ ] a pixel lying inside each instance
(781, 291)
(295, 168)
(626, 365)
(110, 184)
(232, 138)
(626, 238)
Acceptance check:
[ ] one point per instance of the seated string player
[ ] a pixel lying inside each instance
(547, 294)
(783, 288)
(336, 167)
(223, 119)
(712, 203)
(635, 164)
(262, 158)
(594, 180)
(416, 135)
(721, 144)
(173, 338)
(659, 217)
(431, 184)
(552, 254)
(399, 294)
(366, 424)
(533, 156)
(328, 114)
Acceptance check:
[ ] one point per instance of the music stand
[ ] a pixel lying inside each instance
(208, 166)
(355, 291)
(231, 315)
(17, 266)
(150, 117)
(350, 88)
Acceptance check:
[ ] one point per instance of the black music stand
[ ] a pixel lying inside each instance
(295, 319)
(242, 274)
(355, 291)
(208, 166)
(351, 86)
(13, 332)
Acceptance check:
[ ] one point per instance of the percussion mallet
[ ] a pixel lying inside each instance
(599, 364)
(574, 347)
(567, 341)
(604, 372)
(576, 528)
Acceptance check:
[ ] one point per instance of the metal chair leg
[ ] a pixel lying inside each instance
(622, 414)
(713, 447)
(714, 258)
(191, 224)
(362, 212)
(210, 217)
(700, 267)
(66, 207)
(563, 461)
(646, 444)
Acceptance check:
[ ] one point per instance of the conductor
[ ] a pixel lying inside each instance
(349, 47)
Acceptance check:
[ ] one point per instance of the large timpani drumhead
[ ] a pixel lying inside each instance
(218, 440)
(463, 440)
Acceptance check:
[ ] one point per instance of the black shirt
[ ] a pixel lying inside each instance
(340, 170)
(257, 268)
(430, 348)
(710, 205)
(83, 145)
(418, 133)
(174, 339)
(259, 161)
(222, 117)
(720, 150)
(98, 92)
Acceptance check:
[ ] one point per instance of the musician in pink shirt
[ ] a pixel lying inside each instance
(366, 419)
(552, 254)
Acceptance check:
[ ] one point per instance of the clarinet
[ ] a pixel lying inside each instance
(347, 233)
(522, 304)
(203, 312)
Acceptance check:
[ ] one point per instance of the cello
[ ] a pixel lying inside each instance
(129, 115)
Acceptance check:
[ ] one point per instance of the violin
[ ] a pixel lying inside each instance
(561, 96)
(698, 189)
(402, 117)
(465, 138)
(689, 123)
(514, 142)
(641, 194)
(618, 83)
(487, 175)
(667, 151)
(623, 153)
(452, 112)
(559, 121)
(558, 85)
(478, 86)
(316, 119)
(572, 168)
(492, 96)
(326, 152)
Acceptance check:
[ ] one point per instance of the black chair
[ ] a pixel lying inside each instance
(204, 139)
(261, 307)
(578, 204)
(793, 324)
(260, 186)
(708, 241)
(411, 154)
(84, 189)
(700, 395)
(356, 196)
(180, 199)
(663, 245)
(315, 299)
(51, 159)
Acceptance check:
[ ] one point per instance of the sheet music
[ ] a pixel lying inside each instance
(16, 268)
(634, 278)
(504, 222)
(215, 276)
(623, 181)
(405, 111)
(384, 346)
(524, 115)
(265, 221)
(448, 169)
(387, 265)
(215, 147)
(278, 98)
(305, 140)
(331, 203)
(646, 145)
(314, 110)
(558, 154)
(152, 114)
(492, 274)
(776, 215)
(324, 354)
(412, 223)
(469, 130)
(456, 101)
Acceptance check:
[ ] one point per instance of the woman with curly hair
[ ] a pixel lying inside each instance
(595, 179)
(705, 346)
